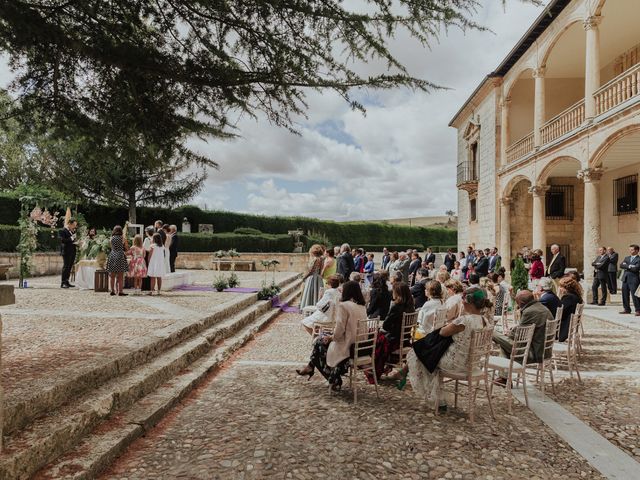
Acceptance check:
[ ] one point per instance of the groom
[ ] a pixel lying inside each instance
(68, 251)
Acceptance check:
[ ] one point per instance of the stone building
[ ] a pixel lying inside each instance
(549, 143)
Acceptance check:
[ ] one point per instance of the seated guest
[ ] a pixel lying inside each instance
(380, 297)
(325, 306)
(418, 290)
(426, 384)
(474, 279)
(454, 304)
(547, 296)
(331, 352)
(532, 313)
(570, 297)
(489, 287)
(427, 314)
(389, 336)
(500, 292)
(442, 277)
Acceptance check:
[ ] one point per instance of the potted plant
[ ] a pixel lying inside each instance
(220, 283)
(233, 280)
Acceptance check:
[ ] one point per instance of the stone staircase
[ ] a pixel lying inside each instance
(76, 430)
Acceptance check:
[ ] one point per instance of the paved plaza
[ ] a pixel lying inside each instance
(257, 419)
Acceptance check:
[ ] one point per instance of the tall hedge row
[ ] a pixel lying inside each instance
(10, 237)
(356, 233)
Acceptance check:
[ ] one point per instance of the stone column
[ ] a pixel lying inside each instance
(505, 232)
(591, 234)
(538, 107)
(539, 217)
(504, 129)
(592, 65)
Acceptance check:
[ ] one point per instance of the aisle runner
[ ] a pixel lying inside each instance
(205, 288)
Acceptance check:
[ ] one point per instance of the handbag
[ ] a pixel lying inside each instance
(431, 348)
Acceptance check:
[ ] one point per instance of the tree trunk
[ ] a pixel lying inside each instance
(132, 208)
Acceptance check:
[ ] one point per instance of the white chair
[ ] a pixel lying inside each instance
(409, 322)
(364, 353)
(579, 312)
(516, 364)
(440, 318)
(550, 334)
(475, 370)
(566, 354)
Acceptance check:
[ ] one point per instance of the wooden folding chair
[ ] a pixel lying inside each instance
(364, 353)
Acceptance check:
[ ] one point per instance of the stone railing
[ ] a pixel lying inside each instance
(521, 148)
(564, 122)
(618, 90)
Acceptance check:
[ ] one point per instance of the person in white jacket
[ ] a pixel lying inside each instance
(325, 307)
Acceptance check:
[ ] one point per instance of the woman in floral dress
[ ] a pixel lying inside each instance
(137, 266)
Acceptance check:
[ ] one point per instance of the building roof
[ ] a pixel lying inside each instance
(541, 23)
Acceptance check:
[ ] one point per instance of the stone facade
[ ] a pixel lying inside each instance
(537, 134)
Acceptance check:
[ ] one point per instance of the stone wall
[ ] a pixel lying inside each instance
(569, 232)
(43, 263)
(521, 221)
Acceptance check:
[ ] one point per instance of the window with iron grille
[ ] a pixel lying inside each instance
(625, 195)
(472, 210)
(559, 202)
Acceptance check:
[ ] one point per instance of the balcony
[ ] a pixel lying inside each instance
(467, 178)
(610, 96)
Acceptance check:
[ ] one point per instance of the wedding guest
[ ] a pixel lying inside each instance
(449, 260)
(456, 273)
(386, 258)
(427, 385)
(137, 265)
(379, 297)
(430, 257)
(166, 228)
(117, 261)
(414, 265)
(158, 224)
(403, 266)
(612, 271)
(157, 266)
(312, 279)
(359, 260)
(546, 295)
(345, 261)
(331, 352)
(329, 266)
(173, 247)
(324, 315)
(369, 268)
(91, 233)
(427, 313)
(454, 304)
(393, 264)
(570, 297)
(418, 291)
(146, 245)
(68, 247)
(631, 280)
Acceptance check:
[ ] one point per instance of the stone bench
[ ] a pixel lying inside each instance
(4, 268)
(239, 265)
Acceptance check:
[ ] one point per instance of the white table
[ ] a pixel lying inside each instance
(85, 274)
(176, 279)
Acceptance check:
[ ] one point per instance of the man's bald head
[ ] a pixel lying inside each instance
(523, 297)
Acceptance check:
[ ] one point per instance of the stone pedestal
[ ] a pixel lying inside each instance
(7, 297)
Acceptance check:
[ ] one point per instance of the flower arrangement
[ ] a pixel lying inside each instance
(28, 244)
(220, 283)
(268, 265)
(233, 280)
(268, 291)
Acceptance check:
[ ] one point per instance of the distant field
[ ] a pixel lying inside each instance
(443, 221)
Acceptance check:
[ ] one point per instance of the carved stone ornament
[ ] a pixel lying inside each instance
(538, 190)
(589, 175)
(592, 22)
(506, 201)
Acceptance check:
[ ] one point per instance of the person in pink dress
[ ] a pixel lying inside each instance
(137, 265)
(536, 272)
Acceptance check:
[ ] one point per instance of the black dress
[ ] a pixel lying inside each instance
(379, 303)
(117, 260)
(569, 302)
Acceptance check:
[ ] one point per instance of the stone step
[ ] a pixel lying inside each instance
(51, 435)
(18, 415)
(110, 439)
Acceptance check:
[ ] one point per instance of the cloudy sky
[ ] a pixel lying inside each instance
(397, 161)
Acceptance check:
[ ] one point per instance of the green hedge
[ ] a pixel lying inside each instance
(202, 242)
(354, 233)
(10, 237)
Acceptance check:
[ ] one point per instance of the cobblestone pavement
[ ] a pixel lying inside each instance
(608, 399)
(257, 419)
(50, 333)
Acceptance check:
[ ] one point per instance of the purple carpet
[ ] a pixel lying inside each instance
(276, 303)
(242, 290)
(206, 288)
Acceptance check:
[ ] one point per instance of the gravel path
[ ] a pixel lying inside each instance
(256, 420)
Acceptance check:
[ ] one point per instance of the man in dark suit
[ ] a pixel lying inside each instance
(493, 259)
(482, 264)
(631, 279)
(430, 257)
(414, 266)
(386, 258)
(68, 251)
(600, 265)
(449, 260)
(612, 270)
(557, 264)
(345, 262)
(418, 290)
(173, 248)
(159, 227)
